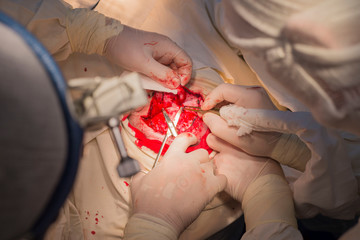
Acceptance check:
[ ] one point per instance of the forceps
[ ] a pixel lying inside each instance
(168, 133)
(198, 110)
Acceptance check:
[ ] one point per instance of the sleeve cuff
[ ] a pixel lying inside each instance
(144, 226)
(267, 200)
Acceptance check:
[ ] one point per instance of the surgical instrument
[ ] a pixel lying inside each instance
(128, 166)
(199, 110)
(168, 133)
(170, 124)
(102, 101)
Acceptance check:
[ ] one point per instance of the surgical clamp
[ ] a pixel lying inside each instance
(168, 133)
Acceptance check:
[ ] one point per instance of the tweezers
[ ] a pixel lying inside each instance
(168, 134)
(198, 110)
(170, 124)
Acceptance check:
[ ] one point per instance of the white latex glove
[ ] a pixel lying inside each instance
(240, 169)
(268, 142)
(178, 189)
(258, 183)
(258, 143)
(328, 174)
(289, 149)
(152, 54)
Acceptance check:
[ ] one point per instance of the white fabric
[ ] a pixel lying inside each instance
(328, 184)
(298, 42)
(89, 30)
(288, 150)
(143, 226)
(291, 151)
(60, 30)
(327, 166)
(272, 193)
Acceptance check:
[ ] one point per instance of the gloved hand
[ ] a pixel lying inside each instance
(239, 168)
(152, 54)
(258, 183)
(179, 187)
(285, 148)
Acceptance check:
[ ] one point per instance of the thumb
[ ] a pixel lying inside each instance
(182, 142)
(265, 120)
(162, 74)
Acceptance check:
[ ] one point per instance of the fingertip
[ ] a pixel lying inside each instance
(209, 118)
(205, 118)
(185, 72)
(162, 74)
(214, 142)
(210, 139)
(171, 80)
(185, 78)
(207, 104)
(183, 141)
(187, 135)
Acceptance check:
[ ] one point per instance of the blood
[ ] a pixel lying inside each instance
(97, 220)
(126, 183)
(125, 117)
(85, 69)
(189, 121)
(93, 232)
(152, 43)
(170, 79)
(142, 140)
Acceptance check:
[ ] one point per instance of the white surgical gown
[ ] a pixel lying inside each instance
(329, 184)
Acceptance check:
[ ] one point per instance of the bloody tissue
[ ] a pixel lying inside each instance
(150, 126)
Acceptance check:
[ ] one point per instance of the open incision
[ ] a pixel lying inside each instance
(149, 123)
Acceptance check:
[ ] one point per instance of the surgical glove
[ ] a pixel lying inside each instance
(244, 96)
(258, 183)
(152, 54)
(260, 144)
(284, 148)
(177, 189)
(288, 149)
(239, 168)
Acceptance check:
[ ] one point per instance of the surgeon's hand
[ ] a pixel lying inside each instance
(256, 143)
(258, 183)
(178, 188)
(239, 168)
(284, 148)
(152, 54)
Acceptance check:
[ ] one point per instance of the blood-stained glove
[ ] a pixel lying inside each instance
(175, 191)
(285, 148)
(152, 54)
(257, 182)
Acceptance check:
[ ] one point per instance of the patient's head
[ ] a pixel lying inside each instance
(149, 123)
